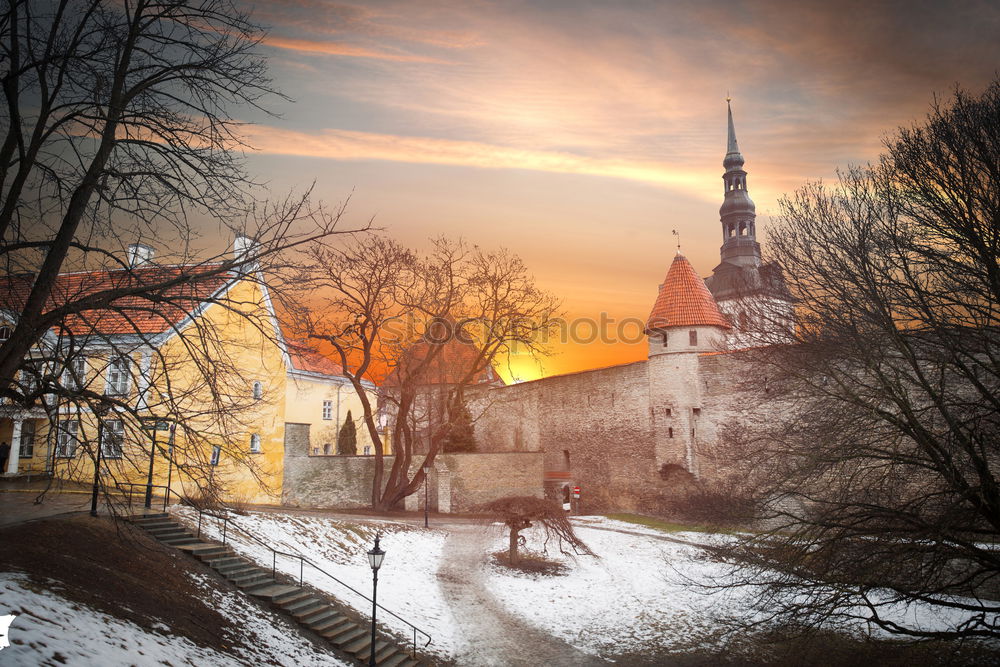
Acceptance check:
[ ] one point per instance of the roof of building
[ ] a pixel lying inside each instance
(307, 358)
(128, 313)
(684, 300)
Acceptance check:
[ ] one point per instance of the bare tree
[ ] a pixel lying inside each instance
(881, 476)
(384, 308)
(118, 126)
(522, 512)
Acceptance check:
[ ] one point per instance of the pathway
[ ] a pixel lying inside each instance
(490, 635)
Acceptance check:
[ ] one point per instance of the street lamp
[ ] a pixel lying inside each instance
(427, 471)
(99, 411)
(375, 557)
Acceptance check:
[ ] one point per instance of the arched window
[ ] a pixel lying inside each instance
(326, 449)
(255, 443)
(692, 337)
(5, 334)
(258, 391)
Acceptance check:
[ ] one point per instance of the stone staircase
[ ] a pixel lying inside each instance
(309, 610)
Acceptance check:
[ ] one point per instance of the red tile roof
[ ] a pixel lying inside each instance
(311, 360)
(684, 300)
(127, 314)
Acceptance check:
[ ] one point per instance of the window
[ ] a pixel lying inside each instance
(74, 374)
(326, 449)
(31, 376)
(117, 376)
(216, 453)
(670, 432)
(668, 412)
(258, 391)
(315, 451)
(692, 337)
(112, 439)
(5, 334)
(255, 444)
(68, 438)
(696, 411)
(327, 409)
(665, 339)
(27, 449)
(368, 450)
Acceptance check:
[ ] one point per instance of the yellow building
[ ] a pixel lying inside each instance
(201, 386)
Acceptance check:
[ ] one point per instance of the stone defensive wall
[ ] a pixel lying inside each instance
(458, 483)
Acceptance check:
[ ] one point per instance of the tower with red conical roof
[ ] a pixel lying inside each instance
(685, 317)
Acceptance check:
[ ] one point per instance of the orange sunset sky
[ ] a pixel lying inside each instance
(579, 134)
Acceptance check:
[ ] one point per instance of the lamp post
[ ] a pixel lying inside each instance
(375, 557)
(99, 411)
(427, 470)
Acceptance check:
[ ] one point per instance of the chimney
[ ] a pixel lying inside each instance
(139, 254)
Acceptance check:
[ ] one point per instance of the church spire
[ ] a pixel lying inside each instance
(733, 148)
(738, 213)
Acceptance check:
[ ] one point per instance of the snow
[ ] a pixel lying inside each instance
(50, 630)
(407, 579)
(640, 595)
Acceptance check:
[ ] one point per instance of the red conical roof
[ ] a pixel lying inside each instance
(684, 300)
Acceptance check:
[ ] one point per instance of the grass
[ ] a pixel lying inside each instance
(669, 526)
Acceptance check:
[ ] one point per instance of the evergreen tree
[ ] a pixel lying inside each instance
(461, 436)
(347, 441)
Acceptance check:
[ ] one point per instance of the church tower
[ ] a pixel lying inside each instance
(737, 213)
(749, 292)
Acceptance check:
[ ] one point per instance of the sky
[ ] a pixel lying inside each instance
(580, 134)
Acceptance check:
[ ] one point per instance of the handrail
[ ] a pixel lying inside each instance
(166, 496)
(302, 561)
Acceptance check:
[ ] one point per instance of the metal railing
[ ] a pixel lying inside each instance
(303, 561)
(166, 496)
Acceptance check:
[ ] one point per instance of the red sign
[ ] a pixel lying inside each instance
(576, 491)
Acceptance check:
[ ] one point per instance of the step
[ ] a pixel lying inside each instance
(234, 573)
(310, 609)
(268, 591)
(255, 580)
(398, 660)
(382, 650)
(181, 542)
(338, 630)
(319, 616)
(161, 525)
(221, 563)
(230, 568)
(348, 635)
(148, 516)
(359, 646)
(214, 551)
(168, 534)
(290, 597)
(304, 606)
(325, 623)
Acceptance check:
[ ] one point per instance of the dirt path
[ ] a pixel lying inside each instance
(489, 635)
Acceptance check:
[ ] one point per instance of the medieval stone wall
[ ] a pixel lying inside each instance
(635, 434)
(458, 483)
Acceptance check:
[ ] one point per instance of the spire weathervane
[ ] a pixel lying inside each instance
(674, 232)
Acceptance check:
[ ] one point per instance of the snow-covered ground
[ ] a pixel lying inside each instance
(51, 630)
(408, 584)
(638, 596)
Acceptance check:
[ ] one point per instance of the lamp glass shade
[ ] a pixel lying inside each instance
(375, 557)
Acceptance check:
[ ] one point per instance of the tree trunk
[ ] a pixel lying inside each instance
(512, 548)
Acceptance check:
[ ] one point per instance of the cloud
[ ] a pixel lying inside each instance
(341, 49)
(351, 145)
